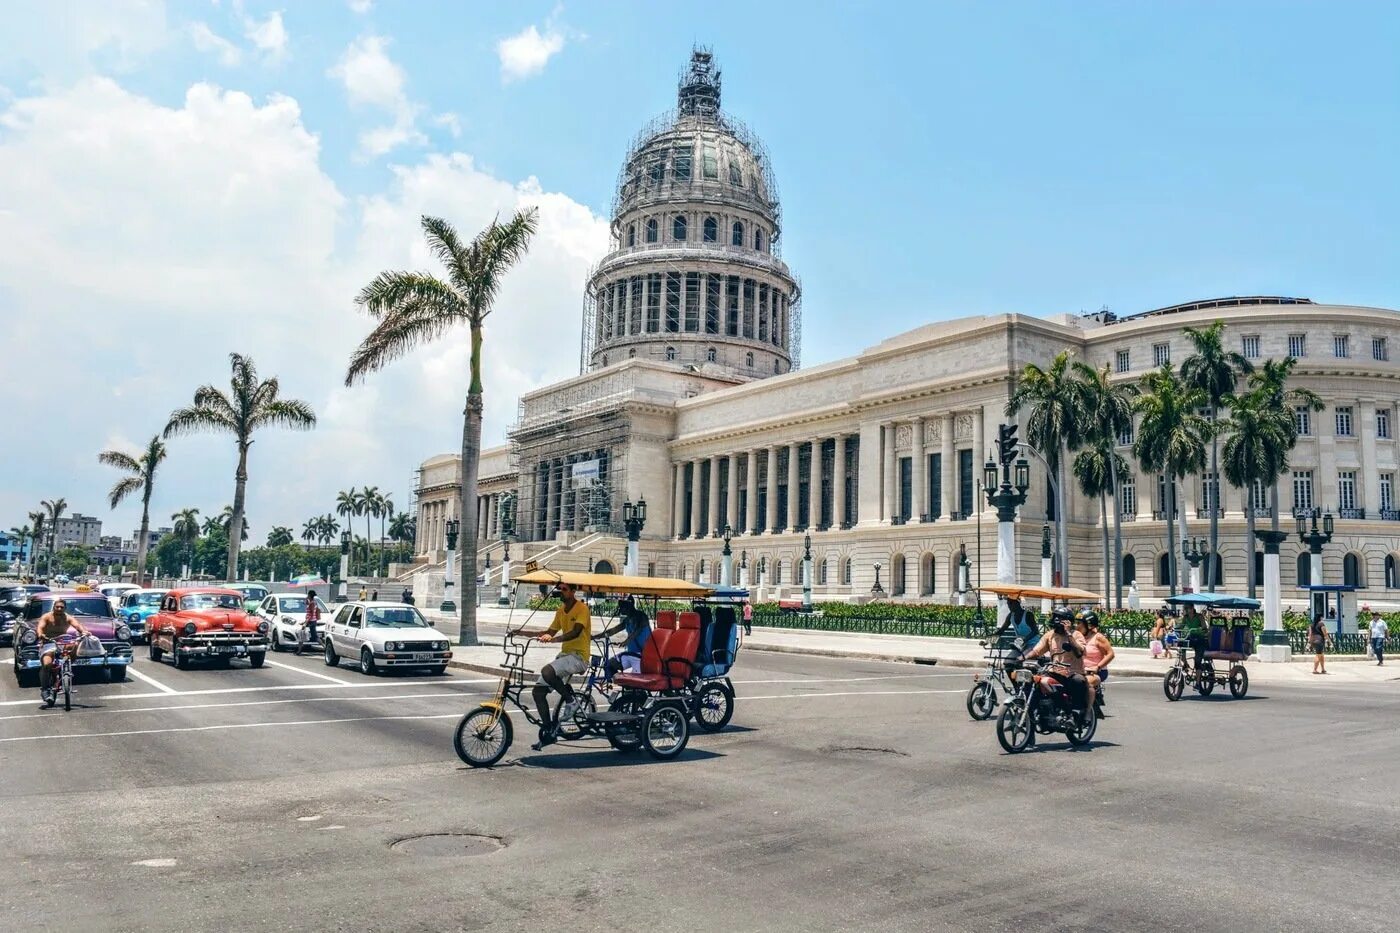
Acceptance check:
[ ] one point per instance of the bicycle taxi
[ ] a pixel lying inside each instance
(684, 668)
(1003, 656)
(1231, 641)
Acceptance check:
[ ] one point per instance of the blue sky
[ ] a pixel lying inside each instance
(934, 160)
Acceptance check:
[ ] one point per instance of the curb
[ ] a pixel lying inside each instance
(477, 668)
(968, 663)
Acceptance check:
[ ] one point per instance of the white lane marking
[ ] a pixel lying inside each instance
(156, 862)
(367, 685)
(235, 725)
(162, 709)
(847, 680)
(300, 670)
(852, 693)
(332, 826)
(307, 819)
(147, 678)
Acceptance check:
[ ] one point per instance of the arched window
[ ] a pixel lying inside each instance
(651, 230)
(1304, 568)
(897, 575)
(631, 234)
(604, 566)
(758, 240)
(678, 228)
(846, 572)
(1390, 581)
(1164, 569)
(748, 359)
(927, 569)
(777, 572)
(737, 235)
(1129, 569)
(1351, 571)
(710, 354)
(821, 572)
(670, 353)
(631, 353)
(710, 230)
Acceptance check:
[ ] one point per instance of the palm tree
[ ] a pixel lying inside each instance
(347, 504)
(369, 507)
(140, 478)
(1216, 372)
(252, 404)
(386, 512)
(1108, 415)
(309, 530)
(226, 523)
(185, 527)
(25, 535)
(1271, 381)
(39, 520)
(212, 523)
(415, 307)
(1097, 468)
(1256, 452)
(279, 536)
(54, 509)
(1055, 427)
(1170, 440)
(328, 528)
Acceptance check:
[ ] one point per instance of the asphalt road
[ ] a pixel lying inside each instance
(846, 795)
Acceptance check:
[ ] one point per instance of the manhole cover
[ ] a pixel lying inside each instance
(449, 844)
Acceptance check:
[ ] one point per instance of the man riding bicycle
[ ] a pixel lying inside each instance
(572, 626)
(1066, 650)
(52, 626)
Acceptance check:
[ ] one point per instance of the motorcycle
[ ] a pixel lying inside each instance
(1041, 704)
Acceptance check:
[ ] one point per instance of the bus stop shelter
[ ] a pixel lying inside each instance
(1336, 603)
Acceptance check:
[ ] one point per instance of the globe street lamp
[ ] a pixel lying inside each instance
(452, 527)
(1006, 493)
(505, 521)
(877, 590)
(807, 573)
(634, 519)
(726, 567)
(340, 596)
(1314, 539)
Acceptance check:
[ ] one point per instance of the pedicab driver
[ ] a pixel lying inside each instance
(572, 627)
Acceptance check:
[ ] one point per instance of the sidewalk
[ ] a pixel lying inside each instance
(945, 652)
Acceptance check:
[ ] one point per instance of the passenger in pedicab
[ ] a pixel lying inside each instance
(634, 622)
(572, 626)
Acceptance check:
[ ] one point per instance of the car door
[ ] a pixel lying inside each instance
(354, 632)
(339, 628)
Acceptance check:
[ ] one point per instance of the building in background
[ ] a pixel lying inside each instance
(78, 530)
(13, 549)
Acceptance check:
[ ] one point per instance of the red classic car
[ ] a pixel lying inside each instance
(206, 622)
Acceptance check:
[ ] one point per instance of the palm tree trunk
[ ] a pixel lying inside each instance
(1214, 506)
(1273, 505)
(1107, 567)
(471, 448)
(1117, 535)
(145, 535)
(235, 522)
(1171, 536)
(1249, 540)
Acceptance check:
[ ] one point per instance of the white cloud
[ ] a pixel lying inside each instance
(361, 6)
(270, 36)
(528, 51)
(63, 41)
(449, 121)
(206, 40)
(373, 80)
(164, 237)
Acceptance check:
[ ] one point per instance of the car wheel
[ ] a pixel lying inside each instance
(276, 641)
(366, 661)
(256, 659)
(182, 661)
(332, 659)
(154, 651)
(116, 673)
(27, 679)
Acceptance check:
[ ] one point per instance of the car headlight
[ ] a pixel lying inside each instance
(440, 645)
(262, 628)
(123, 632)
(191, 628)
(28, 638)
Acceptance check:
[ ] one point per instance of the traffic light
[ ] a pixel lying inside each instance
(1006, 443)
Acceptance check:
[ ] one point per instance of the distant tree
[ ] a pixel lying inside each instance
(140, 478)
(54, 509)
(186, 530)
(278, 536)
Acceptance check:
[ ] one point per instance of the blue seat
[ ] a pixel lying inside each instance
(719, 641)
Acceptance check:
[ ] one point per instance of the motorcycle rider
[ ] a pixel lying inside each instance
(1098, 654)
(1065, 648)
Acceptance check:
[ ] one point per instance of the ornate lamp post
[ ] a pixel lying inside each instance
(506, 523)
(452, 527)
(1193, 552)
(1005, 494)
(1047, 566)
(807, 573)
(743, 568)
(634, 518)
(762, 571)
(877, 590)
(726, 567)
(1273, 641)
(344, 564)
(1314, 539)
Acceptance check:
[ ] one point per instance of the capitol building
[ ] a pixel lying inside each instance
(691, 396)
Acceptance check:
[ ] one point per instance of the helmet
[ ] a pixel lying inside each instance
(1088, 616)
(1061, 615)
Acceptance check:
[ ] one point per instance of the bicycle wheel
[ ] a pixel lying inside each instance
(714, 707)
(981, 701)
(1015, 726)
(67, 689)
(483, 736)
(576, 728)
(1174, 683)
(626, 736)
(1205, 679)
(1239, 682)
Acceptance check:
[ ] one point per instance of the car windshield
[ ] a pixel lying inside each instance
(144, 599)
(86, 606)
(395, 617)
(254, 592)
(297, 603)
(211, 601)
(11, 594)
(36, 588)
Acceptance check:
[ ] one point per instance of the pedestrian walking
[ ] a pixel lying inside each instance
(1319, 639)
(374, 596)
(1379, 631)
(1158, 643)
(407, 597)
(364, 593)
(748, 617)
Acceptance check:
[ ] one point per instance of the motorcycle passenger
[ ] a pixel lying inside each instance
(1020, 622)
(1098, 654)
(635, 623)
(573, 626)
(1065, 648)
(52, 626)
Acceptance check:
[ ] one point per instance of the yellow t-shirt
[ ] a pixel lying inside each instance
(565, 620)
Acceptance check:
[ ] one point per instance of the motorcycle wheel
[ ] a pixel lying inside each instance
(1239, 682)
(1083, 734)
(1205, 679)
(714, 707)
(981, 701)
(1015, 726)
(479, 741)
(1174, 683)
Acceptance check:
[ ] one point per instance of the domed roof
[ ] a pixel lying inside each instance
(697, 153)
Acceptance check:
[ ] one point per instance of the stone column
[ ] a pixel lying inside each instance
(814, 487)
(794, 490)
(551, 520)
(751, 494)
(868, 475)
(838, 483)
(771, 516)
(889, 499)
(979, 455)
(949, 494)
(695, 502)
(1369, 492)
(713, 510)
(920, 472)
(677, 497)
(731, 502)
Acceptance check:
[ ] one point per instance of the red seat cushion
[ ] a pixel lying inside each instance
(643, 681)
(666, 618)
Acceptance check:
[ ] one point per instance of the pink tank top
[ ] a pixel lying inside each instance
(1093, 655)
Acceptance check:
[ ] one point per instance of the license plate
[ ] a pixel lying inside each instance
(229, 649)
(422, 656)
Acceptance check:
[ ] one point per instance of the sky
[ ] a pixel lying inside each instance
(181, 180)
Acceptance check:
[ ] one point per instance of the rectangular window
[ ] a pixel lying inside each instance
(673, 302)
(1302, 419)
(653, 302)
(1341, 346)
(1298, 345)
(692, 301)
(1249, 347)
(935, 485)
(1210, 491)
(1379, 350)
(1344, 421)
(1161, 494)
(850, 508)
(1259, 496)
(1125, 439)
(1127, 497)
(1383, 423)
(1346, 489)
(804, 486)
(634, 306)
(1387, 491)
(1161, 354)
(906, 488)
(682, 165)
(731, 290)
(748, 307)
(1302, 490)
(1121, 361)
(709, 163)
(966, 493)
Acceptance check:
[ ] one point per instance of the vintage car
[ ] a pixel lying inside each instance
(95, 614)
(12, 601)
(285, 614)
(206, 623)
(115, 591)
(253, 594)
(378, 635)
(136, 609)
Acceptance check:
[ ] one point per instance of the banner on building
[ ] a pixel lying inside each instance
(585, 473)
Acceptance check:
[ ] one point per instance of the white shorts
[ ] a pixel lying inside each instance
(566, 665)
(631, 663)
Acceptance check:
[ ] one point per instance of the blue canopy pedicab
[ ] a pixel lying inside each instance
(1230, 641)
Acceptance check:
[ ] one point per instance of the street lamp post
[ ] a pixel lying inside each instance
(1005, 494)
(634, 518)
(807, 573)
(340, 596)
(505, 521)
(877, 590)
(1194, 551)
(1047, 566)
(452, 527)
(762, 571)
(726, 567)
(743, 569)
(1314, 539)
(1273, 641)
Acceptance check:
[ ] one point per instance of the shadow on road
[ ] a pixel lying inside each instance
(604, 758)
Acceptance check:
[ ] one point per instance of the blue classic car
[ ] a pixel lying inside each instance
(138, 606)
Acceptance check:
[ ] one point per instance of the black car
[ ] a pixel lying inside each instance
(12, 602)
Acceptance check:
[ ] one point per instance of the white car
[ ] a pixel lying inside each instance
(286, 614)
(115, 591)
(377, 635)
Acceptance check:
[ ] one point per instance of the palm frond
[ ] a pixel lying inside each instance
(120, 460)
(197, 418)
(287, 413)
(497, 248)
(446, 246)
(394, 289)
(397, 334)
(123, 488)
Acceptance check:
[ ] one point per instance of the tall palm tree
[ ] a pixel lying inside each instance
(1171, 440)
(310, 529)
(212, 524)
(25, 535)
(1256, 453)
(1097, 468)
(226, 523)
(54, 509)
(279, 536)
(39, 520)
(1055, 426)
(1216, 372)
(185, 527)
(369, 508)
(251, 404)
(1108, 415)
(415, 307)
(1271, 380)
(347, 504)
(329, 528)
(140, 478)
(386, 512)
